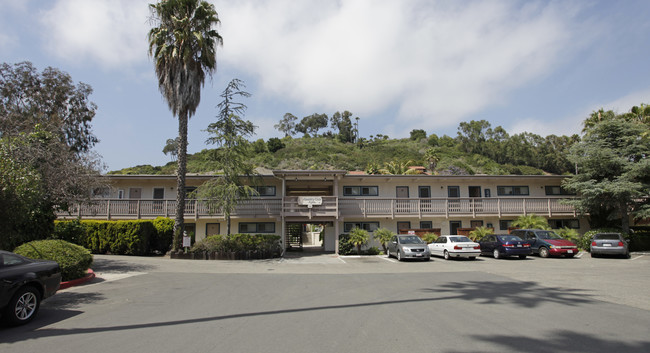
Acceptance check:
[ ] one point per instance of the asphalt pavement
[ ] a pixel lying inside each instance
(327, 303)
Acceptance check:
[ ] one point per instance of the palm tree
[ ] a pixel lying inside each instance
(531, 221)
(432, 157)
(183, 45)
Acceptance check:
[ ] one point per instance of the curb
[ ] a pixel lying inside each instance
(75, 282)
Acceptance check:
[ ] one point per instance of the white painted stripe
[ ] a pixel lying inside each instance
(638, 257)
(387, 259)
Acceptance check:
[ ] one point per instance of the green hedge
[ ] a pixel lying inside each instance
(239, 243)
(73, 259)
(138, 237)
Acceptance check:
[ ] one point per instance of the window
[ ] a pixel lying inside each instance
(360, 190)
(265, 190)
(101, 192)
(505, 224)
(561, 223)
(488, 193)
(158, 193)
(512, 190)
(369, 226)
(189, 190)
(120, 194)
(556, 190)
(426, 225)
(475, 224)
(256, 227)
(424, 191)
(212, 229)
(403, 225)
(453, 191)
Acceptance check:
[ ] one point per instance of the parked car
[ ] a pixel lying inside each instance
(546, 243)
(408, 247)
(609, 244)
(449, 246)
(503, 245)
(24, 283)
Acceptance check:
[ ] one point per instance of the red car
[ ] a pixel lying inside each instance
(546, 243)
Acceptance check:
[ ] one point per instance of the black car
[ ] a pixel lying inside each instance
(23, 284)
(502, 245)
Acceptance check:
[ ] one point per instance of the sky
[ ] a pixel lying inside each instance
(398, 65)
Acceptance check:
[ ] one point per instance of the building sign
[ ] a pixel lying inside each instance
(310, 201)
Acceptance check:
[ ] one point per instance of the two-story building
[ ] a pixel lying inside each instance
(331, 202)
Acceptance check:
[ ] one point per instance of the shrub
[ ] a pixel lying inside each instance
(430, 237)
(373, 251)
(478, 233)
(162, 240)
(70, 231)
(264, 243)
(345, 246)
(359, 237)
(74, 260)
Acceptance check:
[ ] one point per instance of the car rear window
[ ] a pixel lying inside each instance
(606, 236)
(460, 239)
(506, 238)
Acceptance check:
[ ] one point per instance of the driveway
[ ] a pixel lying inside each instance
(347, 304)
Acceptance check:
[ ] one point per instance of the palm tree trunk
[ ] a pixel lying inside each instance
(180, 179)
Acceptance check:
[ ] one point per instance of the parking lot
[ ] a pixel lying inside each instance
(325, 303)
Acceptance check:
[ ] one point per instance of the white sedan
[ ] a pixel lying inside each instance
(449, 246)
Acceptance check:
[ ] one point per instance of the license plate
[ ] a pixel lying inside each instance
(607, 244)
(519, 245)
(569, 252)
(418, 255)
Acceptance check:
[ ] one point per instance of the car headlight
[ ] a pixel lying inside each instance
(552, 246)
(406, 249)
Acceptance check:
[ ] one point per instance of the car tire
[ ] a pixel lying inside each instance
(23, 306)
(594, 255)
(496, 254)
(543, 252)
(523, 257)
(627, 255)
(399, 255)
(446, 255)
(472, 257)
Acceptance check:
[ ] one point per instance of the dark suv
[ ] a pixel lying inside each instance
(546, 243)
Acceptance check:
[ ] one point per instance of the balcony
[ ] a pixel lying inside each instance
(327, 206)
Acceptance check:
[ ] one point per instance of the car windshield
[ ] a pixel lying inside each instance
(607, 236)
(507, 238)
(460, 239)
(410, 240)
(547, 234)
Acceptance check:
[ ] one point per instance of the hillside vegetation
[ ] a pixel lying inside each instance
(326, 153)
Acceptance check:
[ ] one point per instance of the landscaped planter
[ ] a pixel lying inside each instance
(226, 255)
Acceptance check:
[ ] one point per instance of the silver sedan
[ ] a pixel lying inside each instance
(408, 247)
(609, 244)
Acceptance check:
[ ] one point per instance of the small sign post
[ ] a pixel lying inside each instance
(187, 241)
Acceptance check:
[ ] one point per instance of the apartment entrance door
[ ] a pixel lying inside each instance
(402, 194)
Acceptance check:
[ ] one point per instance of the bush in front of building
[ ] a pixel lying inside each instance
(345, 246)
(238, 247)
(73, 259)
(136, 237)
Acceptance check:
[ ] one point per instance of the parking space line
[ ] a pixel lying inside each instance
(638, 257)
(387, 259)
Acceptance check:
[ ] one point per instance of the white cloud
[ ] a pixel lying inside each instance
(438, 61)
(108, 32)
(625, 103)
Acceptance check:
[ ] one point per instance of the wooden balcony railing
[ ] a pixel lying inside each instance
(331, 206)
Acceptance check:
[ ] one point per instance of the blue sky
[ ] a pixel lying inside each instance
(537, 66)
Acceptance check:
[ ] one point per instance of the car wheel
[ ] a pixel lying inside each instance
(446, 255)
(523, 257)
(543, 252)
(23, 306)
(496, 254)
(594, 255)
(627, 255)
(399, 255)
